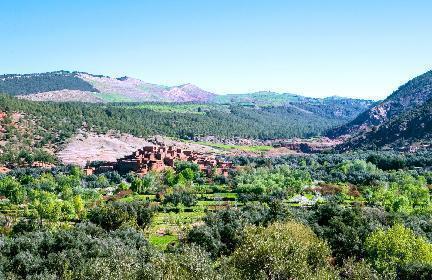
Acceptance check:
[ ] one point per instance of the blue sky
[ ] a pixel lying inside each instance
(359, 48)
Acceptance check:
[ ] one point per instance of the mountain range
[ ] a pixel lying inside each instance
(61, 86)
(80, 86)
(404, 118)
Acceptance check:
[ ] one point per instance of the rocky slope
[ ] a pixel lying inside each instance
(401, 120)
(64, 95)
(408, 97)
(78, 86)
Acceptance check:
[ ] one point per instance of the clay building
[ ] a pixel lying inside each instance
(157, 158)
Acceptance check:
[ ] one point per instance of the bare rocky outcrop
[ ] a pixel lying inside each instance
(88, 147)
(137, 90)
(65, 95)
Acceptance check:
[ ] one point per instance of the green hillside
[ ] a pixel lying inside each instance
(400, 132)
(407, 97)
(52, 123)
(23, 84)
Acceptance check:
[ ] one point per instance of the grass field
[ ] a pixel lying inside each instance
(112, 97)
(171, 223)
(181, 108)
(166, 227)
(178, 108)
(226, 147)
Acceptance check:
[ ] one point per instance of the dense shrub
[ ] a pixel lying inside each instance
(83, 252)
(222, 231)
(396, 248)
(344, 228)
(358, 270)
(282, 251)
(115, 215)
(183, 197)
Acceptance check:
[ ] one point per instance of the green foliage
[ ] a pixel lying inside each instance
(83, 252)
(415, 271)
(180, 196)
(282, 251)
(346, 234)
(388, 250)
(117, 214)
(259, 148)
(344, 228)
(344, 108)
(222, 231)
(41, 82)
(188, 263)
(122, 187)
(13, 190)
(405, 194)
(49, 207)
(56, 122)
(265, 180)
(147, 184)
(26, 157)
(358, 270)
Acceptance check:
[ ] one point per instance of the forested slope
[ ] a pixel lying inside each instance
(269, 122)
(407, 97)
(400, 132)
(24, 84)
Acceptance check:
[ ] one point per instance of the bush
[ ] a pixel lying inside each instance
(282, 251)
(415, 271)
(180, 197)
(344, 228)
(223, 230)
(190, 262)
(358, 270)
(83, 252)
(115, 215)
(13, 190)
(397, 247)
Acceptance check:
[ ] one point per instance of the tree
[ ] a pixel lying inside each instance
(79, 206)
(47, 205)
(282, 251)
(122, 187)
(223, 231)
(84, 251)
(358, 270)
(188, 174)
(148, 183)
(405, 194)
(344, 228)
(180, 196)
(13, 190)
(117, 214)
(388, 250)
(169, 177)
(189, 262)
(137, 185)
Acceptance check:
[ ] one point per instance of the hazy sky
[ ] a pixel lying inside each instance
(316, 48)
